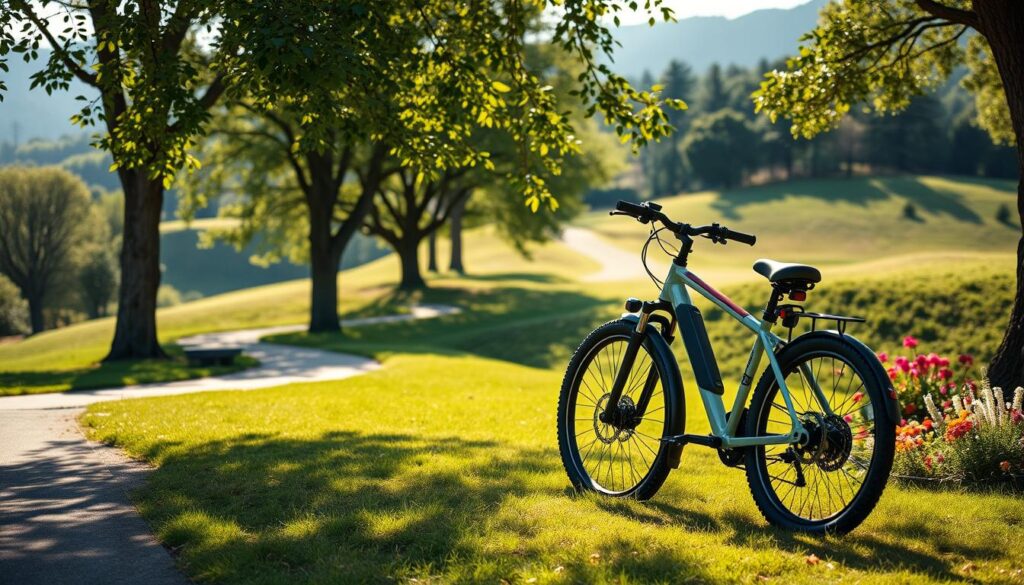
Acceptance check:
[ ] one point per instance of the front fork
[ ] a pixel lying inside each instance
(613, 414)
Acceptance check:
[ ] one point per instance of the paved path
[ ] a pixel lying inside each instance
(65, 514)
(616, 263)
(279, 364)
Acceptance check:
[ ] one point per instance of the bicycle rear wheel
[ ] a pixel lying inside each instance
(628, 460)
(832, 481)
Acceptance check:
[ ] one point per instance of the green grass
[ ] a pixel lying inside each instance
(445, 469)
(443, 466)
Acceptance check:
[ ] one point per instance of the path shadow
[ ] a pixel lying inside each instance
(65, 518)
(731, 203)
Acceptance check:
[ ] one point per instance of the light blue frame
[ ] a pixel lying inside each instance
(725, 428)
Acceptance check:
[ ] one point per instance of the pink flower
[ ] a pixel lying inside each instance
(1016, 416)
(909, 341)
(848, 418)
(947, 404)
(857, 397)
(933, 359)
(945, 374)
(966, 359)
(883, 357)
(902, 363)
(943, 362)
(921, 362)
(914, 372)
(944, 391)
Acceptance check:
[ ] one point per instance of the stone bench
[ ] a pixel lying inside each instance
(212, 355)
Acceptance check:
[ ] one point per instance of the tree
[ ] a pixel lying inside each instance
(713, 96)
(409, 208)
(429, 77)
(909, 140)
(154, 86)
(40, 213)
(884, 53)
(720, 147)
(664, 163)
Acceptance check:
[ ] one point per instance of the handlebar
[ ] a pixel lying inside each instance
(647, 212)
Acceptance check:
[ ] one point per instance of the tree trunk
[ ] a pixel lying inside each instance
(35, 312)
(408, 254)
(324, 257)
(432, 251)
(1002, 23)
(135, 333)
(455, 227)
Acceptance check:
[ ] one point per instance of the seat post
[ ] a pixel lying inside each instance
(771, 308)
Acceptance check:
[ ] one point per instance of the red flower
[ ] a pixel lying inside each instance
(921, 361)
(1005, 466)
(910, 409)
(966, 359)
(945, 374)
(943, 362)
(928, 461)
(857, 397)
(947, 404)
(928, 424)
(933, 359)
(910, 342)
(883, 357)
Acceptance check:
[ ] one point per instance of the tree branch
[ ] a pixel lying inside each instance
(60, 50)
(964, 17)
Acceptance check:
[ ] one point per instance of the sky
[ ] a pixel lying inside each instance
(726, 8)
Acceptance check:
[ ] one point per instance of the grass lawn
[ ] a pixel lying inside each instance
(443, 466)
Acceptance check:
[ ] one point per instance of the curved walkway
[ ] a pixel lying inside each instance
(616, 263)
(65, 513)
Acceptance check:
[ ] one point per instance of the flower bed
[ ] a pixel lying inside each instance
(955, 429)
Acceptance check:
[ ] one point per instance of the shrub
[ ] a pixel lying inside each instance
(1003, 214)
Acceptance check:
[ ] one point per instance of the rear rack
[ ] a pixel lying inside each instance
(791, 315)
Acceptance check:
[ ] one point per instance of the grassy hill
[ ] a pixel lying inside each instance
(443, 466)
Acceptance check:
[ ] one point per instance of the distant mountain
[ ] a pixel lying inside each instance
(31, 114)
(700, 41)
(703, 40)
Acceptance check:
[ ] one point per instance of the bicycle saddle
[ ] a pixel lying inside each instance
(780, 271)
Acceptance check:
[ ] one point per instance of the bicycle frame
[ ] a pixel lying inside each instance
(725, 429)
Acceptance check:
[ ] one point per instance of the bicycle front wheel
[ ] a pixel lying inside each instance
(831, 481)
(627, 460)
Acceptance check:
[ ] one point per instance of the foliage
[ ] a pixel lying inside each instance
(720, 147)
(13, 310)
(41, 212)
(974, 437)
(883, 54)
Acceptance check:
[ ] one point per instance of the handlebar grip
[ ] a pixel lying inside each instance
(740, 237)
(633, 209)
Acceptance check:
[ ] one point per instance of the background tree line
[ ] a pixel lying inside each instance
(721, 142)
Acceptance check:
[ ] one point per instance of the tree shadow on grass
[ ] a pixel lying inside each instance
(857, 192)
(356, 507)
